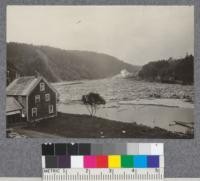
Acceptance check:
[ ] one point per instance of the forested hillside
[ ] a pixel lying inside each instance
(61, 65)
(170, 71)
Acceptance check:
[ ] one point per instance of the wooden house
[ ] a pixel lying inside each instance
(37, 97)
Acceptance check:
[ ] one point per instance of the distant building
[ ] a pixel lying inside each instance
(35, 95)
(126, 74)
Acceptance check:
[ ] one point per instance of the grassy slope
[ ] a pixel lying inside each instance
(84, 126)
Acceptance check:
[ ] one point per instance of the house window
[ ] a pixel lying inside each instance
(50, 109)
(37, 99)
(34, 112)
(47, 97)
(42, 86)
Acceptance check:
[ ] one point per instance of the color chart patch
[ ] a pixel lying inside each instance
(85, 155)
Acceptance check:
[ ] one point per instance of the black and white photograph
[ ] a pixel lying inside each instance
(100, 72)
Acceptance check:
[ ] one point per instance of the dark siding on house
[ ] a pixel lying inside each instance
(42, 106)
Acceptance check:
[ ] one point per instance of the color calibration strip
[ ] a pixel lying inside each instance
(84, 161)
(85, 155)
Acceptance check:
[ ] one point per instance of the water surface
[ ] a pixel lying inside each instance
(131, 101)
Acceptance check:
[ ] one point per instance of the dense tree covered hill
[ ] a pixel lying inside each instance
(60, 65)
(170, 71)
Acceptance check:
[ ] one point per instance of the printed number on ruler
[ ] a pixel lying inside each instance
(103, 174)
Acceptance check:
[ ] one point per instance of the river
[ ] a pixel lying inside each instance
(129, 100)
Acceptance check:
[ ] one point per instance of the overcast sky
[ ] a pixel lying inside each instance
(134, 34)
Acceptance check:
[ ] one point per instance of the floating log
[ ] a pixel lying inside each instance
(184, 124)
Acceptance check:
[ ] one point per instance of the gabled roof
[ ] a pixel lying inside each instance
(12, 105)
(21, 86)
(24, 85)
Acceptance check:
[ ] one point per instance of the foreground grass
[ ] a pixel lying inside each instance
(84, 126)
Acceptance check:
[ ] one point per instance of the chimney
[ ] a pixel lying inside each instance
(37, 74)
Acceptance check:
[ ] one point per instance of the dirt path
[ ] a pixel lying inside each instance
(35, 134)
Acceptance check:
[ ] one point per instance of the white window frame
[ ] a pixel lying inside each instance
(51, 109)
(34, 112)
(37, 99)
(42, 86)
(47, 97)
